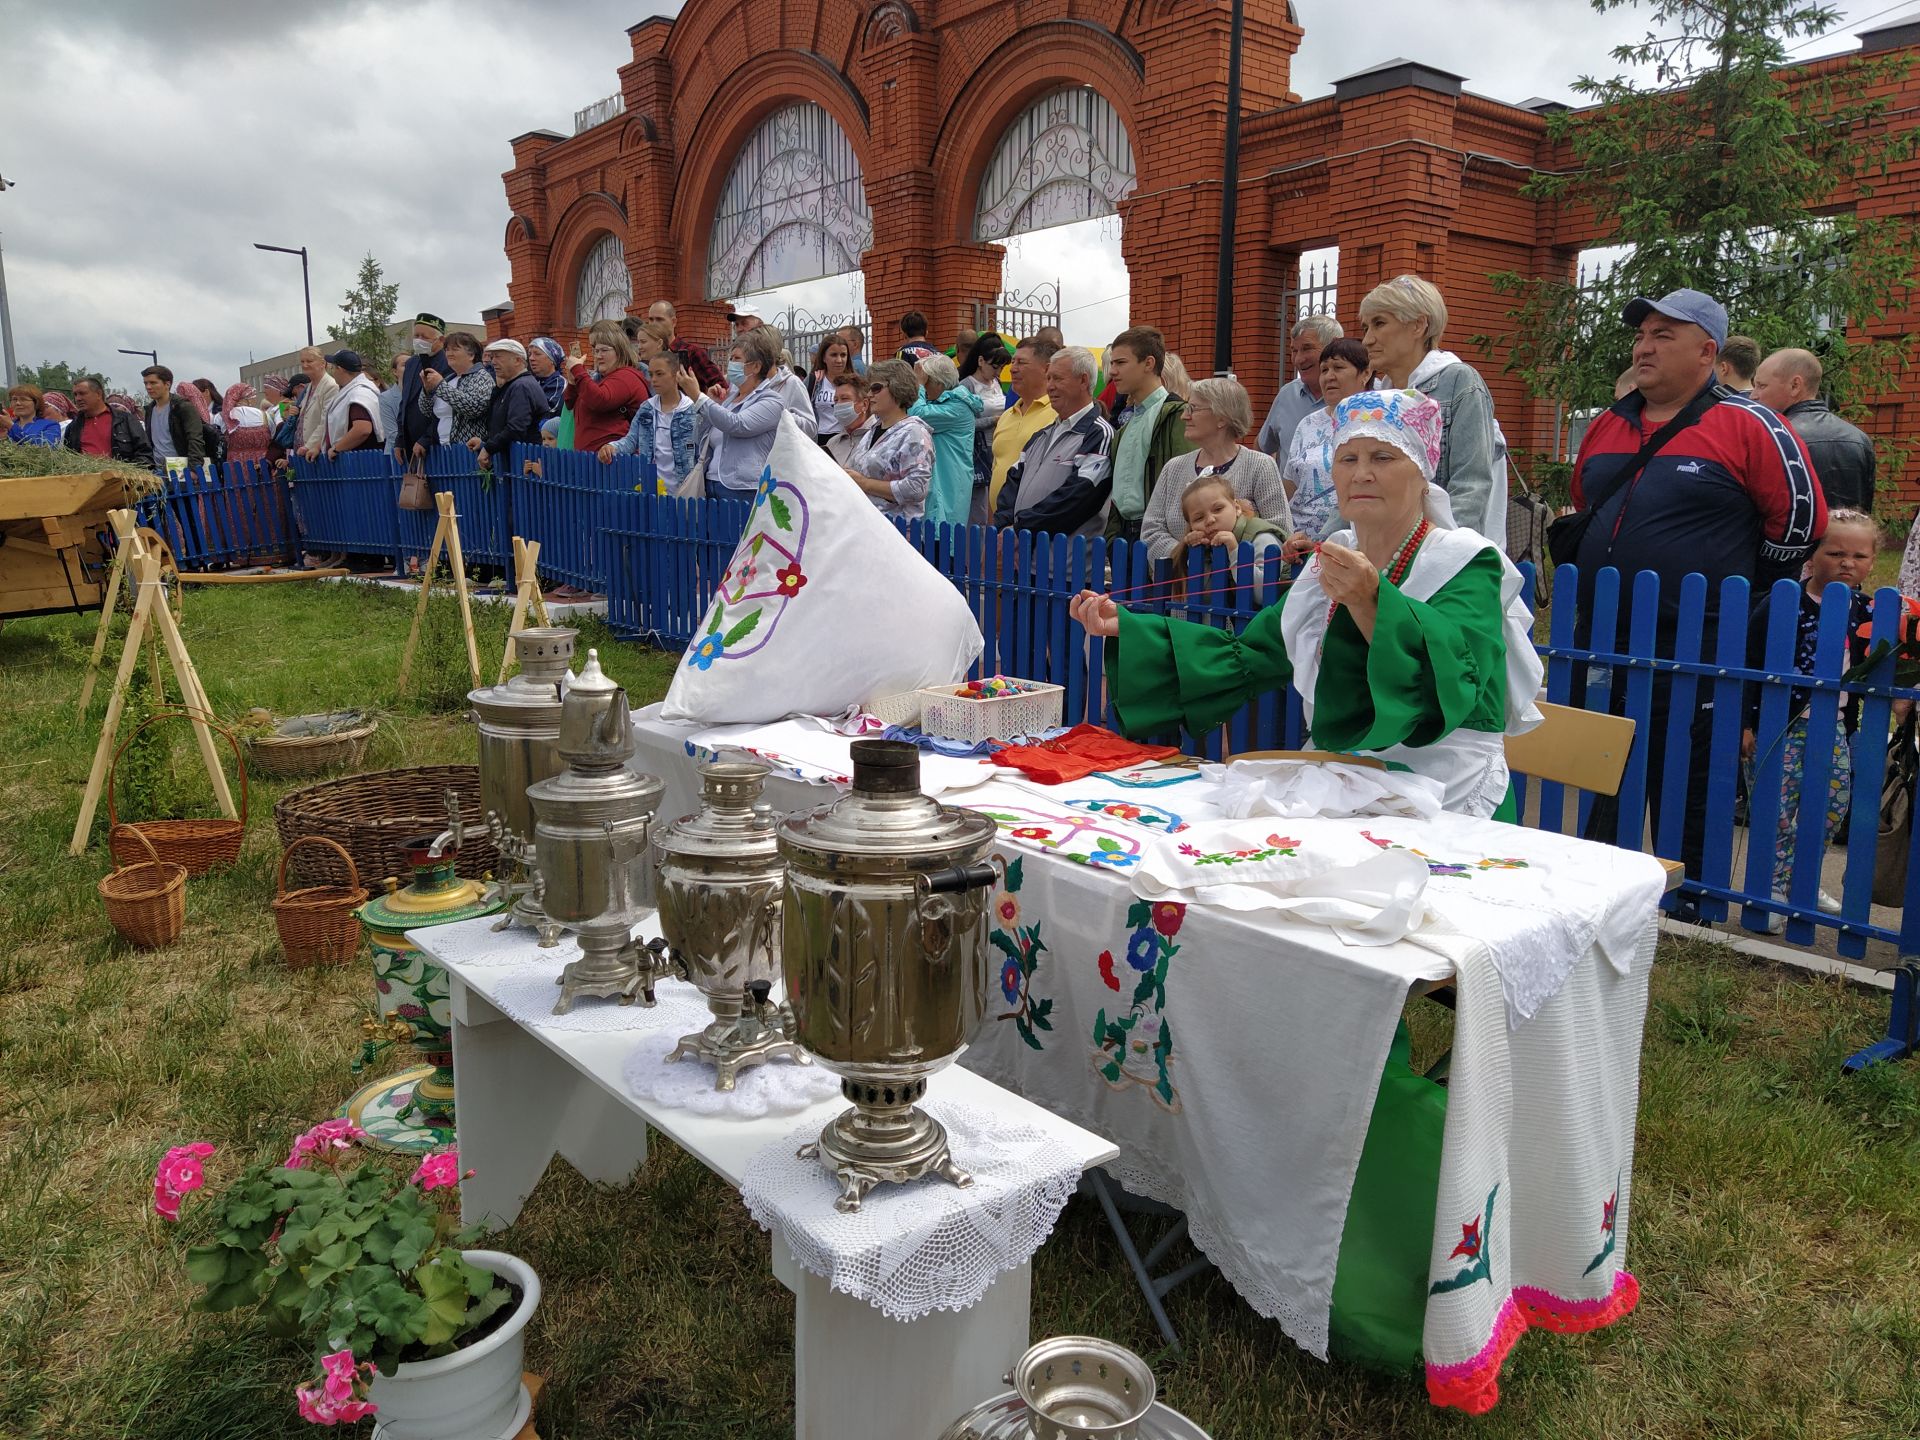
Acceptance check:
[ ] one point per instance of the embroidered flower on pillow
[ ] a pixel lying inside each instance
(710, 649)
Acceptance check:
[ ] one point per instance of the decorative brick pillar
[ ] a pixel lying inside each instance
(898, 77)
(530, 232)
(964, 275)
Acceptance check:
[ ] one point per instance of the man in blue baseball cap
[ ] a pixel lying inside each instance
(1683, 476)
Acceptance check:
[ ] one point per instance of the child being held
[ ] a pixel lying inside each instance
(1217, 516)
(1844, 555)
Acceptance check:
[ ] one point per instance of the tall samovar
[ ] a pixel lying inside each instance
(591, 854)
(720, 888)
(885, 956)
(519, 724)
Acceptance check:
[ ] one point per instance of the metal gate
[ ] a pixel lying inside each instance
(1317, 292)
(1019, 316)
(802, 331)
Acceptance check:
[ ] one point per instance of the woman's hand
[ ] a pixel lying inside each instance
(689, 386)
(606, 453)
(1298, 547)
(1348, 577)
(1097, 614)
(419, 450)
(1749, 742)
(430, 378)
(475, 445)
(312, 452)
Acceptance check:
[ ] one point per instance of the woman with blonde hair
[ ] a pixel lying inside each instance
(1174, 376)
(1401, 323)
(321, 389)
(604, 398)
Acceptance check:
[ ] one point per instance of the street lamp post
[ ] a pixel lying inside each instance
(6, 315)
(306, 287)
(153, 356)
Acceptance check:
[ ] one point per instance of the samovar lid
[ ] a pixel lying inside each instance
(732, 822)
(594, 726)
(544, 653)
(885, 816)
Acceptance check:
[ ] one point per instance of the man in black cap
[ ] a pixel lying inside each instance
(418, 431)
(353, 415)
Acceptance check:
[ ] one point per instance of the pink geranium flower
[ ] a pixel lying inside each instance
(328, 1135)
(332, 1402)
(178, 1174)
(440, 1171)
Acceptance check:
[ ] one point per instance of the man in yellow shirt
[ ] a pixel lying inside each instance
(1030, 412)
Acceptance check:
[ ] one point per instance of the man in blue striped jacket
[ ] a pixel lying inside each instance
(1064, 476)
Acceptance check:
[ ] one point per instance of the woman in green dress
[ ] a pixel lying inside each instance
(1405, 636)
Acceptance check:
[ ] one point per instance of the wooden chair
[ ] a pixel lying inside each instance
(1582, 748)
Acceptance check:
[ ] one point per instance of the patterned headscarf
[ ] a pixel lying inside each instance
(240, 393)
(1405, 419)
(58, 403)
(122, 402)
(555, 383)
(187, 390)
(275, 382)
(549, 347)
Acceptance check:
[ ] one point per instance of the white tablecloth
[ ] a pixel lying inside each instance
(1234, 1056)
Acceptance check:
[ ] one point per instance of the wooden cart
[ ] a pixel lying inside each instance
(54, 541)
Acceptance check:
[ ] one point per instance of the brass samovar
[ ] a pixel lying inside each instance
(590, 833)
(720, 887)
(885, 957)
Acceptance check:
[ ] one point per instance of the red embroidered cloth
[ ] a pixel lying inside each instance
(1078, 753)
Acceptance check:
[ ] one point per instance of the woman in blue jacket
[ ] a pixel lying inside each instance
(950, 410)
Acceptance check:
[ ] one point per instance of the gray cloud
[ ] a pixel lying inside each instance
(152, 144)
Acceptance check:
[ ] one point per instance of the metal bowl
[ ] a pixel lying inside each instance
(1083, 1388)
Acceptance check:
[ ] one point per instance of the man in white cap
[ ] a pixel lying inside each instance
(746, 316)
(1683, 476)
(519, 405)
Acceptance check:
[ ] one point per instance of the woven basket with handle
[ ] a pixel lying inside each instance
(317, 923)
(147, 900)
(197, 844)
(372, 816)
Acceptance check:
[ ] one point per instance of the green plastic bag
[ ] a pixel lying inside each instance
(1380, 1283)
(563, 438)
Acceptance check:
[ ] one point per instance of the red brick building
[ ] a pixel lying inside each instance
(756, 142)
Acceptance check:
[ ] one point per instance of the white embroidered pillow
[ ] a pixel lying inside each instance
(824, 605)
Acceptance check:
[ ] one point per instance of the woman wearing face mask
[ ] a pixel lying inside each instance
(604, 398)
(742, 426)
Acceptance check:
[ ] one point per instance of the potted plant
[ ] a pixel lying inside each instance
(404, 1321)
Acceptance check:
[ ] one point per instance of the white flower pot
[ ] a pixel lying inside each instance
(474, 1393)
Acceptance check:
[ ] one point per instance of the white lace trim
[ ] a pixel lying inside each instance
(775, 1087)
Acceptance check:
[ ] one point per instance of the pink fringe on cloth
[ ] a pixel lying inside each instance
(1474, 1385)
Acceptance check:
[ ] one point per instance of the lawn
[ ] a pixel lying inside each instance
(1775, 1220)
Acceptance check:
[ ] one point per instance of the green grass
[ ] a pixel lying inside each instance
(1776, 1210)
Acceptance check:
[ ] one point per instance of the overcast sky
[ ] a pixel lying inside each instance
(151, 144)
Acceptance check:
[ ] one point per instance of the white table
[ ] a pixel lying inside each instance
(528, 1093)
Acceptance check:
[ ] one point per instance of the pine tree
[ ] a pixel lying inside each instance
(1716, 176)
(367, 312)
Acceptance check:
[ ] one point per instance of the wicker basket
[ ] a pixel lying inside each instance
(317, 923)
(147, 900)
(370, 816)
(287, 757)
(197, 844)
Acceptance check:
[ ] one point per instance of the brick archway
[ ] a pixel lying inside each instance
(728, 119)
(1046, 57)
(581, 228)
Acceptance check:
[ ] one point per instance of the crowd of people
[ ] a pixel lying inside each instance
(1714, 458)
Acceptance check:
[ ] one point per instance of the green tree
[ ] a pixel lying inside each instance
(366, 313)
(57, 375)
(1719, 176)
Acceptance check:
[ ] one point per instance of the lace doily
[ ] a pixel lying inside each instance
(775, 1087)
(529, 995)
(476, 945)
(913, 1249)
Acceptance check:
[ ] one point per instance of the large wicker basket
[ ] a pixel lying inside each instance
(316, 923)
(147, 900)
(287, 757)
(370, 816)
(197, 844)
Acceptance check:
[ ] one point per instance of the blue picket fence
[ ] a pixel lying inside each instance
(658, 560)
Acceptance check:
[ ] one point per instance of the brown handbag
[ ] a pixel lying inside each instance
(415, 492)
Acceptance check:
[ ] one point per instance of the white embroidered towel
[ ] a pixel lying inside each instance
(1290, 789)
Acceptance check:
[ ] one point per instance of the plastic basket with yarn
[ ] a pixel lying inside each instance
(951, 711)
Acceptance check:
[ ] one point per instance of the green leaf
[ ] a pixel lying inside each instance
(334, 1261)
(1042, 1009)
(1106, 843)
(1026, 1033)
(1138, 914)
(714, 617)
(1100, 1027)
(782, 516)
(1016, 874)
(1144, 989)
(1005, 944)
(745, 628)
(443, 1290)
(207, 1264)
(398, 1314)
(1111, 1071)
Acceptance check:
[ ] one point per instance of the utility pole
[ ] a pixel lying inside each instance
(306, 288)
(6, 315)
(1229, 204)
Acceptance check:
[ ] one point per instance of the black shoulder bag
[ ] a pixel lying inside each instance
(1565, 533)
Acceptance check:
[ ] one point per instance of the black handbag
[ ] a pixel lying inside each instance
(1565, 533)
